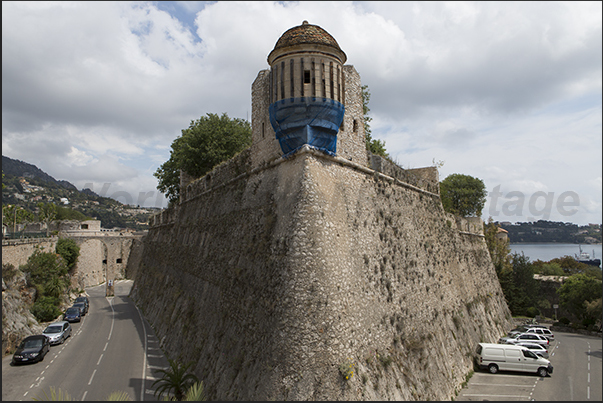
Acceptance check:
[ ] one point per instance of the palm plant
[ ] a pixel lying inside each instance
(55, 396)
(196, 393)
(176, 380)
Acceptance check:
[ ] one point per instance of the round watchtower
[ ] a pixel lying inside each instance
(306, 89)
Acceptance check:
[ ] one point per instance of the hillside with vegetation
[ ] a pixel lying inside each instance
(27, 187)
(552, 231)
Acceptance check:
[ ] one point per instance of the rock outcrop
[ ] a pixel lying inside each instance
(17, 321)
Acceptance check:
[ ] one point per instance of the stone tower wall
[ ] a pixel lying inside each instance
(351, 144)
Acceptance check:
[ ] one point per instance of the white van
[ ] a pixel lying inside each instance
(509, 357)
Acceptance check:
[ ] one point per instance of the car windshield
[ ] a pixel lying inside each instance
(32, 343)
(72, 310)
(53, 329)
(80, 299)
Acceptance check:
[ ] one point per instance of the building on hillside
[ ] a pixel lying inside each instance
(502, 234)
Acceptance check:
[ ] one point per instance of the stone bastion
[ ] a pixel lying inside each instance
(280, 280)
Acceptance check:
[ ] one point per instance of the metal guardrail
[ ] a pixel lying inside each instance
(25, 235)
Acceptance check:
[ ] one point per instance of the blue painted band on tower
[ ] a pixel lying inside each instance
(307, 120)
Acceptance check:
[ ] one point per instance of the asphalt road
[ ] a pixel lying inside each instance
(577, 375)
(112, 349)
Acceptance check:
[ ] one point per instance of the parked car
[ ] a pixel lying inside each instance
(542, 331)
(517, 330)
(72, 314)
(32, 349)
(57, 332)
(536, 349)
(506, 357)
(525, 337)
(537, 329)
(83, 298)
(82, 306)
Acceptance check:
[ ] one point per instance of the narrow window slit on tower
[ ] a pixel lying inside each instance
(331, 81)
(282, 81)
(306, 76)
(302, 76)
(291, 82)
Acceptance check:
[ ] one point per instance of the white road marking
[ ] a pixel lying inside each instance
(112, 318)
(84, 397)
(144, 361)
(99, 360)
(90, 381)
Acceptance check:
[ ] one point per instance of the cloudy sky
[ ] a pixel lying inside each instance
(96, 92)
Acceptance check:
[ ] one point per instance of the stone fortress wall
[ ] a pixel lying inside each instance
(271, 281)
(276, 274)
(103, 254)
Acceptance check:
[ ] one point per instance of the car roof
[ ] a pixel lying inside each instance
(73, 308)
(531, 334)
(35, 336)
(530, 344)
(505, 346)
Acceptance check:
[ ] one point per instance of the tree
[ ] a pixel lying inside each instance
(41, 267)
(524, 290)
(593, 311)
(375, 146)
(68, 250)
(175, 379)
(499, 248)
(47, 212)
(13, 214)
(571, 266)
(463, 195)
(207, 142)
(576, 290)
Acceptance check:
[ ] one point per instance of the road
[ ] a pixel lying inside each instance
(577, 375)
(112, 349)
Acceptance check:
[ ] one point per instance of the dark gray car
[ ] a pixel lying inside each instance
(82, 306)
(83, 298)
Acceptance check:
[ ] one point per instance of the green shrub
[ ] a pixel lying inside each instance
(8, 271)
(565, 321)
(532, 311)
(46, 309)
(68, 250)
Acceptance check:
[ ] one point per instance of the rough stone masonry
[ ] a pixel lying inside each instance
(278, 277)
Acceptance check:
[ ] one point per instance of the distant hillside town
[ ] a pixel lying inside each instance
(25, 188)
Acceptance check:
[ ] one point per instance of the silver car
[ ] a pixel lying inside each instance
(526, 338)
(536, 349)
(57, 332)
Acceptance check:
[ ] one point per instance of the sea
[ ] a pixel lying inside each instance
(547, 251)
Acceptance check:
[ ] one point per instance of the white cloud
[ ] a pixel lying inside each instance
(508, 92)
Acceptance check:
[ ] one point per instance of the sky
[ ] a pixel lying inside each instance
(508, 92)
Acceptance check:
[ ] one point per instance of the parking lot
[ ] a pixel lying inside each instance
(501, 386)
(577, 375)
